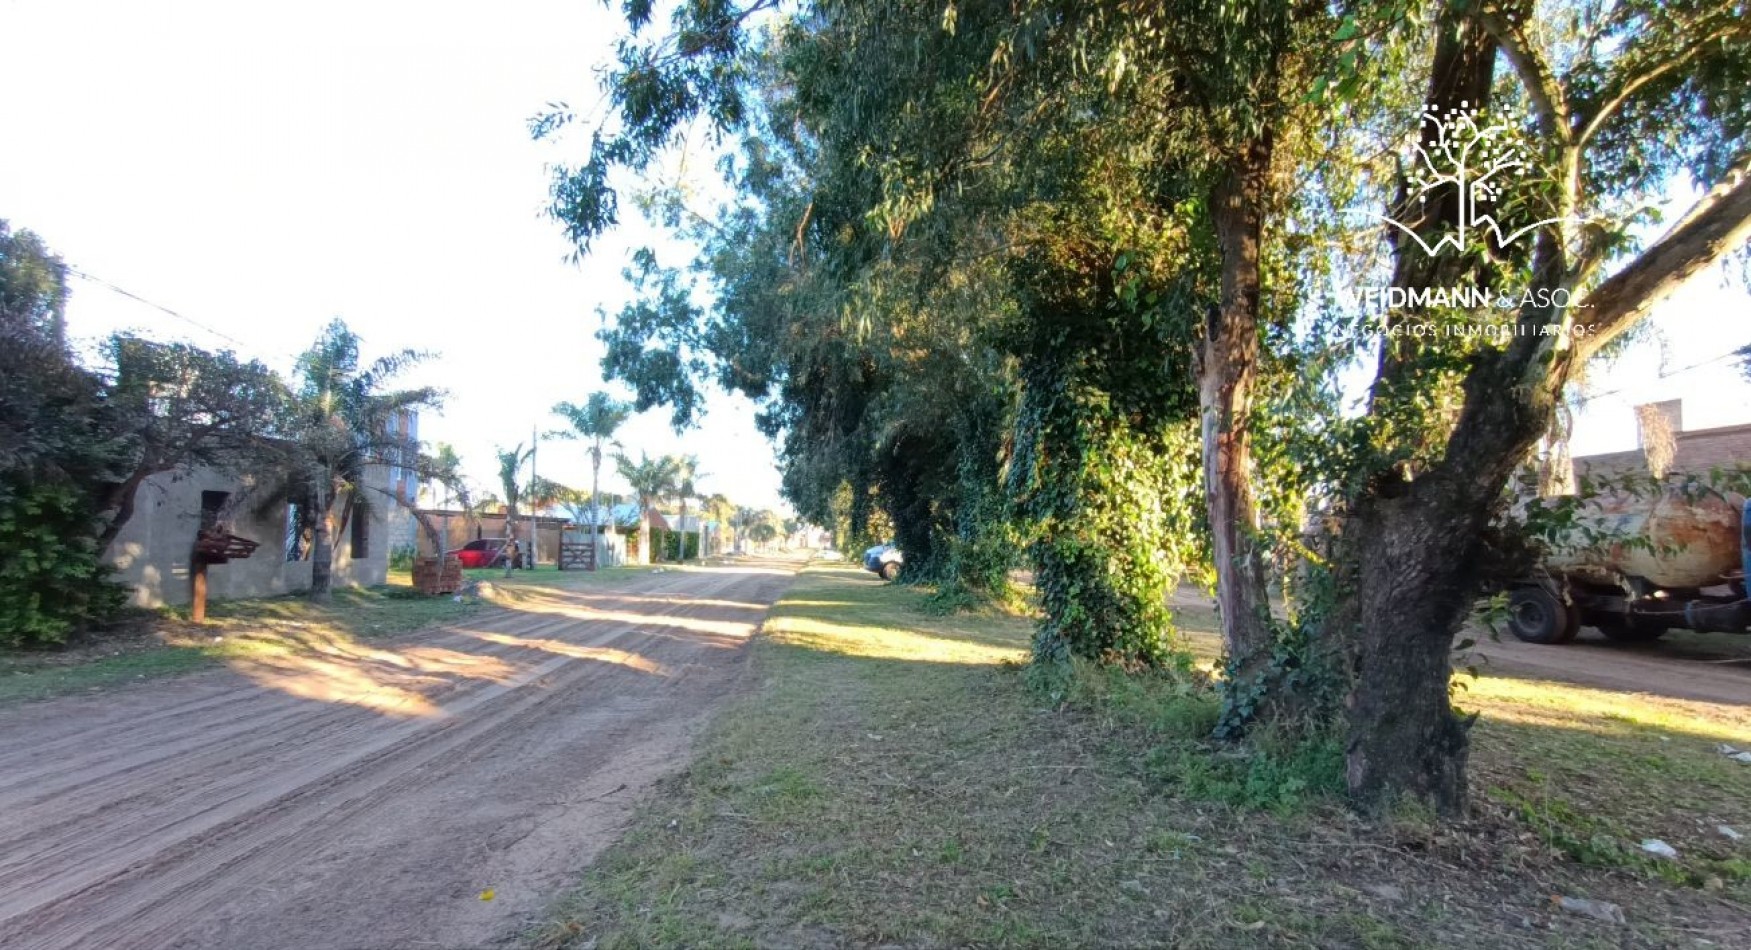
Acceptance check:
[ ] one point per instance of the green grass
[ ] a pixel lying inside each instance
(165, 642)
(1593, 773)
(890, 779)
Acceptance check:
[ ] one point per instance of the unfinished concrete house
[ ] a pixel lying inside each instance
(154, 554)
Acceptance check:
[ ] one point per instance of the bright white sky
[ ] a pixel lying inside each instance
(262, 169)
(1679, 356)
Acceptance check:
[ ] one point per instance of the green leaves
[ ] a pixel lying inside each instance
(51, 580)
(597, 419)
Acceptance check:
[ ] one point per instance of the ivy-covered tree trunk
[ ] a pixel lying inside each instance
(982, 553)
(861, 505)
(1094, 494)
(1227, 364)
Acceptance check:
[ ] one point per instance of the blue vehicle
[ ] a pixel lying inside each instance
(884, 559)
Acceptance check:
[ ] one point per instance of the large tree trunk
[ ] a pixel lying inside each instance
(1407, 571)
(1420, 547)
(1414, 586)
(1419, 544)
(1227, 363)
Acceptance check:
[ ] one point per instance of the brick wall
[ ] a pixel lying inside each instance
(1694, 452)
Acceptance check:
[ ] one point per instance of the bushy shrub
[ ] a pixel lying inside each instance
(51, 577)
(671, 546)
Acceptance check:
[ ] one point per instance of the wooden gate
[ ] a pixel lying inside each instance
(577, 556)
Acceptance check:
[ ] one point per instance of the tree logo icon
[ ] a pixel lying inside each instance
(1462, 151)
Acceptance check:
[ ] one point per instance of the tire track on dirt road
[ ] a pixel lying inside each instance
(341, 821)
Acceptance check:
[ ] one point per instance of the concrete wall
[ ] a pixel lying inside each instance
(152, 554)
(404, 531)
(464, 528)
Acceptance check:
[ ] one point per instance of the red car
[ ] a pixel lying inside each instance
(485, 552)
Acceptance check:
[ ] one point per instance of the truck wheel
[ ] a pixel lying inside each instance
(890, 571)
(1536, 615)
(1632, 631)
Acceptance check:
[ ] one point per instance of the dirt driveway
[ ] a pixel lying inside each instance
(366, 794)
(1702, 667)
(1710, 668)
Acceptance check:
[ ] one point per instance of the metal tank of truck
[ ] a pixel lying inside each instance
(1637, 562)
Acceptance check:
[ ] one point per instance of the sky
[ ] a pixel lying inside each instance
(260, 170)
(1683, 352)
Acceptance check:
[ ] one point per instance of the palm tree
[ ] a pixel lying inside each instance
(745, 520)
(719, 509)
(687, 473)
(596, 420)
(510, 466)
(443, 467)
(651, 479)
(339, 427)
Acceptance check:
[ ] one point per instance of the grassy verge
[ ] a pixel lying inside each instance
(149, 644)
(890, 780)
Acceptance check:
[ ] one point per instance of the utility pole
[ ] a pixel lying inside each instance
(534, 525)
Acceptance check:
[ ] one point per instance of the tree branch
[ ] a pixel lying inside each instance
(1614, 100)
(1716, 225)
(1508, 28)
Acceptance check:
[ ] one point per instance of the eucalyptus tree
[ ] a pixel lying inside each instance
(1622, 98)
(651, 480)
(795, 324)
(595, 421)
(1129, 169)
(1124, 159)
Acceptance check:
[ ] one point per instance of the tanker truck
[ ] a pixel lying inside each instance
(1635, 562)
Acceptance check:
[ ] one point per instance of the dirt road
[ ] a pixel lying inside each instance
(1703, 667)
(365, 794)
(1710, 668)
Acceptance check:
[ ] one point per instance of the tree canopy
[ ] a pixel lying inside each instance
(1085, 280)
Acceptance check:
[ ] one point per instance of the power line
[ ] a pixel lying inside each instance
(76, 272)
(1730, 354)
